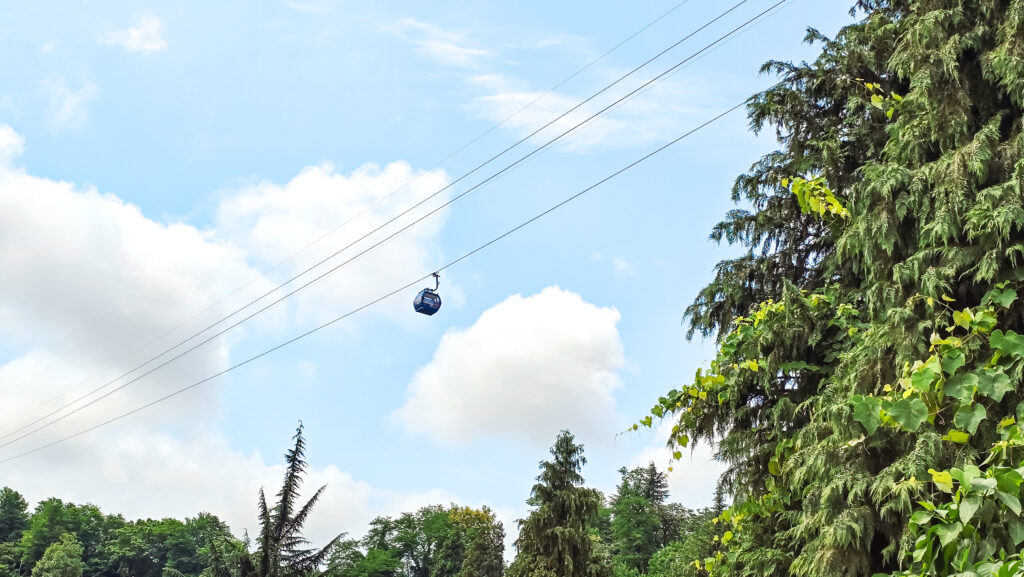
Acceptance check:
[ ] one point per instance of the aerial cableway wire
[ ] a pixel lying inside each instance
(393, 219)
(388, 295)
(372, 247)
(344, 223)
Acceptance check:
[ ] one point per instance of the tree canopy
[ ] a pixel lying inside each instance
(866, 386)
(555, 540)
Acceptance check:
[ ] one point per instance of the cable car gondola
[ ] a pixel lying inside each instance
(428, 301)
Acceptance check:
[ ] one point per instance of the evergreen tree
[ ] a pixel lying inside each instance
(61, 559)
(13, 515)
(485, 556)
(636, 520)
(554, 540)
(880, 238)
(281, 549)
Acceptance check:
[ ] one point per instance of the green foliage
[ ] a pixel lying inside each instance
(346, 560)
(13, 515)
(484, 555)
(555, 540)
(150, 548)
(433, 542)
(9, 559)
(281, 549)
(638, 514)
(815, 197)
(863, 360)
(61, 559)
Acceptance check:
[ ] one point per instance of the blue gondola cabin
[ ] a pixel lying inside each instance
(427, 302)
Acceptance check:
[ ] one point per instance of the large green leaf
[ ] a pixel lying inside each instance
(1003, 298)
(968, 507)
(909, 413)
(1011, 501)
(966, 476)
(952, 361)
(961, 387)
(994, 384)
(947, 533)
(1016, 529)
(969, 417)
(867, 412)
(1009, 343)
(926, 375)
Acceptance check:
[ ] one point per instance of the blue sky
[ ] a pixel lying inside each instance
(155, 157)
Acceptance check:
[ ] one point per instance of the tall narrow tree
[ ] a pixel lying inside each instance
(281, 549)
(554, 540)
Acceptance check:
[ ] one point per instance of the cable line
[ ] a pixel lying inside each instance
(365, 251)
(388, 295)
(376, 203)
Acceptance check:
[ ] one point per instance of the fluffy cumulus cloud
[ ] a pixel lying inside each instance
(88, 277)
(528, 367)
(272, 222)
(147, 36)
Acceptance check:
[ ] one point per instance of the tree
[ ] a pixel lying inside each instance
(675, 560)
(61, 559)
(10, 560)
(147, 548)
(347, 560)
(852, 329)
(46, 526)
(480, 550)
(13, 515)
(554, 540)
(636, 520)
(485, 555)
(281, 550)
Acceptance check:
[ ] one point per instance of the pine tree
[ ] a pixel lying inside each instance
(554, 540)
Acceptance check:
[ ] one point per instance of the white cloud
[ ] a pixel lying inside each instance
(88, 277)
(271, 222)
(145, 37)
(67, 108)
(445, 47)
(528, 367)
(196, 473)
(654, 114)
(12, 145)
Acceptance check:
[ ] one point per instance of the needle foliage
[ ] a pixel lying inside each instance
(868, 371)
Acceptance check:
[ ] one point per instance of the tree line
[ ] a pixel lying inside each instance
(571, 531)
